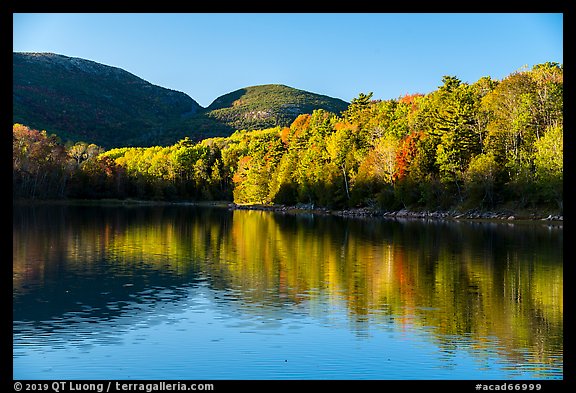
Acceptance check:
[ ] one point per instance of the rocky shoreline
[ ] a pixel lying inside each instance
(367, 212)
(504, 215)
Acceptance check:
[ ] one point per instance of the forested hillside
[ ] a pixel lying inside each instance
(258, 107)
(81, 100)
(484, 144)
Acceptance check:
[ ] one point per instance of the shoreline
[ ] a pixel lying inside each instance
(498, 215)
(504, 215)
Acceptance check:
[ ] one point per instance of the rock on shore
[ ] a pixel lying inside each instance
(404, 213)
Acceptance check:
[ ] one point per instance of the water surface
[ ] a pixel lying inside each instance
(182, 292)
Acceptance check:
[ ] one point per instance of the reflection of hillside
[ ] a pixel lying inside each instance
(66, 267)
(460, 279)
(476, 282)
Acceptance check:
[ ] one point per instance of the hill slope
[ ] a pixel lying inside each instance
(81, 100)
(257, 107)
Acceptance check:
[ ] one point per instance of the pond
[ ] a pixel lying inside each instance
(189, 292)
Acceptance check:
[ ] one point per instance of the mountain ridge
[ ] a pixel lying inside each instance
(83, 100)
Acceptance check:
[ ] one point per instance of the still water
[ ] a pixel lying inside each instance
(182, 292)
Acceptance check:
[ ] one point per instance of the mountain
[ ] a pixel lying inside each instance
(269, 105)
(82, 100)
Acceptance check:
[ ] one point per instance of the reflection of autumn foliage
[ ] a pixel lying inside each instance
(475, 281)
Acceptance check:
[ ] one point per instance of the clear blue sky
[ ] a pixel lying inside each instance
(338, 54)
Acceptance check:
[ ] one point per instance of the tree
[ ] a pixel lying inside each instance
(549, 162)
(480, 179)
(283, 186)
(40, 165)
(455, 126)
(376, 172)
(548, 105)
(511, 131)
(520, 109)
(340, 148)
(358, 108)
(98, 177)
(250, 182)
(82, 151)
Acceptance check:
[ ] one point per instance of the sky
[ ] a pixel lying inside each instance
(206, 55)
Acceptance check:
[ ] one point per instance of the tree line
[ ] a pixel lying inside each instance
(481, 145)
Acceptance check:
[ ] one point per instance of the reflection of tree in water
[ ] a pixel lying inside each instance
(468, 284)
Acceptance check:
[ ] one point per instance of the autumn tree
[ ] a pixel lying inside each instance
(340, 147)
(374, 181)
(549, 163)
(98, 177)
(521, 108)
(82, 151)
(358, 110)
(40, 165)
(480, 180)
